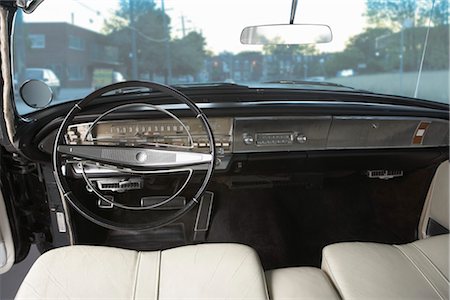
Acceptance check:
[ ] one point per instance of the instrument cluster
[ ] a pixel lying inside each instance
(165, 132)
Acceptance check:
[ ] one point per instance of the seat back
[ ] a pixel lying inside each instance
(204, 271)
(436, 208)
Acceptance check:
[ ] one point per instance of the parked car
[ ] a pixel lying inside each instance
(103, 76)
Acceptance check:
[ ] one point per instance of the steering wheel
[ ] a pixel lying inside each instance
(150, 158)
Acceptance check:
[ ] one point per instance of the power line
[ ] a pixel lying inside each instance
(98, 13)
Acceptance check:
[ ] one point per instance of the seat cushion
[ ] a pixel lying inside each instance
(208, 271)
(368, 270)
(299, 283)
(436, 250)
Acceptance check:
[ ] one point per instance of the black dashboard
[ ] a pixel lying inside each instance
(261, 138)
(254, 121)
(235, 135)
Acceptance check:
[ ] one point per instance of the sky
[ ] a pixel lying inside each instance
(220, 21)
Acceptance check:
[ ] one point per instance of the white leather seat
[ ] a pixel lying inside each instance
(437, 202)
(209, 271)
(419, 270)
(300, 283)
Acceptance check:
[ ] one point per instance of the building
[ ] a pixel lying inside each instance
(241, 67)
(72, 52)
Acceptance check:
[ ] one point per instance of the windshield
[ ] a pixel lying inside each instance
(378, 45)
(34, 74)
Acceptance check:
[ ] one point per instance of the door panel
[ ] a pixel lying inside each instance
(6, 240)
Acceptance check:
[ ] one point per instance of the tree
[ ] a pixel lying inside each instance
(367, 52)
(288, 61)
(393, 13)
(372, 44)
(249, 65)
(347, 59)
(140, 8)
(188, 54)
(441, 12)
(437, 55)
(150, 35)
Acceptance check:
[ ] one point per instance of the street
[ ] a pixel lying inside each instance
(65, 94)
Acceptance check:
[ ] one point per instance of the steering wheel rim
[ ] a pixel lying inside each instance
(63, 185)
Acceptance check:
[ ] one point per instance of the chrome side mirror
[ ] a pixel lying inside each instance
(36, 93)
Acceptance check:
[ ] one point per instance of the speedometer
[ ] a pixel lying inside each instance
(157, 132)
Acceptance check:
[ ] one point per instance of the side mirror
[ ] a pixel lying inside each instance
(286, 34)
(36, 93)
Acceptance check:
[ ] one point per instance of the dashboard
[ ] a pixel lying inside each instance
(235, 135)
(262, 139)
(152, 132)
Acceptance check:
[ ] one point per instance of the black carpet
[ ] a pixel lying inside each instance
(289, 225)
(289, 222)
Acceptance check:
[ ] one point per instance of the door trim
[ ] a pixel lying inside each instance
(7, 255)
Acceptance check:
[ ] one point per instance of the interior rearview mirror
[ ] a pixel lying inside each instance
(36, 93)
(286, 34)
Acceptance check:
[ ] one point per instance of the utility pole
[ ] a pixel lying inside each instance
(305, 67)
(407, 23)
(402, 45)
(168, 73)
(133, 54)
(183, 27)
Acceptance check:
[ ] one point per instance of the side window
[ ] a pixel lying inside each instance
(76, 43)
(51, 76)
(46, 75)
(37, 41)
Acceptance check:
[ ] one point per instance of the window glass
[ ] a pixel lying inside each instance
(37, 41)
(378, 45)
(76, 42)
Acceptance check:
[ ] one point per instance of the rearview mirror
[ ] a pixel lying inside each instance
(286, 34)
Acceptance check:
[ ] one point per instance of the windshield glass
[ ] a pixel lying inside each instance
(378, 45)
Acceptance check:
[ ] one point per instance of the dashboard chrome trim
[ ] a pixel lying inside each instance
(336, 133)
(136, 157)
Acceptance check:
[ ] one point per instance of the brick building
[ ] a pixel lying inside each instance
(70, 51)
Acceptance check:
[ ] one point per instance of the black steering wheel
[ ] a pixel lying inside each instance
(150, 158)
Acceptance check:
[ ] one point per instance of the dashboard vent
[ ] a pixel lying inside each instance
(120, 184)
(384, 174)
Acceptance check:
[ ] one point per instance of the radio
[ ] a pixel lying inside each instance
(273, 138)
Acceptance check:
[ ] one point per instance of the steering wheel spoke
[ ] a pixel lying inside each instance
(136, 157)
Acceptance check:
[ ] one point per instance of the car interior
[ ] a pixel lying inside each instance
(289, 189)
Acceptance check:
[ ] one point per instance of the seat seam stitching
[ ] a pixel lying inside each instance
(158, 275)
(53, 278)
(266, 286)
(427, 205)
(420, 271)
(431, 262)
(138, 263)
(39, 296)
